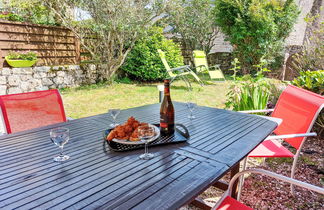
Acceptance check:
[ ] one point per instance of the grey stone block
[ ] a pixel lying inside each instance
(6, 71)
(26, 77)
(28, 70)
(24, 86)
(13, 80)
(40, 75)
(61, 73)
(47, 82)
(58, 80)
(3, 80)
(42, 68)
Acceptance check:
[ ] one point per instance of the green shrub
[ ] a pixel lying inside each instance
(255, 28)
(143, 62)
(311, 80)
(123, 80)
(12, 17)
(22, 56)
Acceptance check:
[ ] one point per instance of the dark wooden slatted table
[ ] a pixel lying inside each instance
(93, 178)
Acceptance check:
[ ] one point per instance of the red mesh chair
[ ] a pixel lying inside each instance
(228, 203)
(31, 110)
(298, 108)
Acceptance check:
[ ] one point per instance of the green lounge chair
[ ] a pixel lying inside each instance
(202, 66)
(182, 71)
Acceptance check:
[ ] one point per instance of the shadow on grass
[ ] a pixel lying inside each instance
(87, 87)
(154, 85)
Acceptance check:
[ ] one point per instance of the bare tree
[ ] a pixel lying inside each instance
(193, 20)
(108, 29)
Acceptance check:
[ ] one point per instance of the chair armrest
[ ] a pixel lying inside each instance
(279, 177)
(181, 68)
(291, 136)
(274, 119)
(256, 111)
(217, 66)
(270, 174)
(199, 67)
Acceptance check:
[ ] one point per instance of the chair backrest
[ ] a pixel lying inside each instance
(200, 59)
(165, 63)
(298, 108)
(31, 110)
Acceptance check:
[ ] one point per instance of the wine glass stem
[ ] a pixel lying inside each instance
(190, 114)
(61, 147)
(146, 150)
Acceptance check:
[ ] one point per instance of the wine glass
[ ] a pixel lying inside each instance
(146, 133)
(114, 113)
(60, 136)
(191, 106)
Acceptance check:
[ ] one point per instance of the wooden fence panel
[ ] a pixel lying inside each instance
(53, 45)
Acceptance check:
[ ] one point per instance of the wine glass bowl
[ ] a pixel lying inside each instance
(191, 107)
(60, 136)
(114, 113)
(146, 133)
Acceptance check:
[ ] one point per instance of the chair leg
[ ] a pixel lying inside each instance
(293, 170)
(241, 179)
(197, 79)
(185, 79)
(172, 79)
(235, 169)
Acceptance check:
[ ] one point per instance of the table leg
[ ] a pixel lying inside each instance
(201, 204)
(234, 171)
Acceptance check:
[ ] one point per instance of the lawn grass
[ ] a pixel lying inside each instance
(96, 99)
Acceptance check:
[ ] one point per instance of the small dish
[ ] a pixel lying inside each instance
(122, 141)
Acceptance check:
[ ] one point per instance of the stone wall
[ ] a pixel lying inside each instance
(20, 80)
(223, 59)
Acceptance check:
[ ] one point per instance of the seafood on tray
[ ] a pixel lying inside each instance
(127, 131)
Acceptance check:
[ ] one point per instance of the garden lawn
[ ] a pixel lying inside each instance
(96, 99)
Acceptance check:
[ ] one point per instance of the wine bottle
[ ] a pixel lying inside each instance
(167, 111)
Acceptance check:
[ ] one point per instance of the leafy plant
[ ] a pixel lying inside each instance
(143, 62)
(31, 56)
(250, 93)
(256, 29)
(236, 67)
(311, 80)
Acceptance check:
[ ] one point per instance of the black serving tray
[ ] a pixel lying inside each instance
(181, 134)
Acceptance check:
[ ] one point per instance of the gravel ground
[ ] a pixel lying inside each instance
(260, 192)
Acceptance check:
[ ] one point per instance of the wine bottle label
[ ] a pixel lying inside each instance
(166, 90)
(163, 125)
